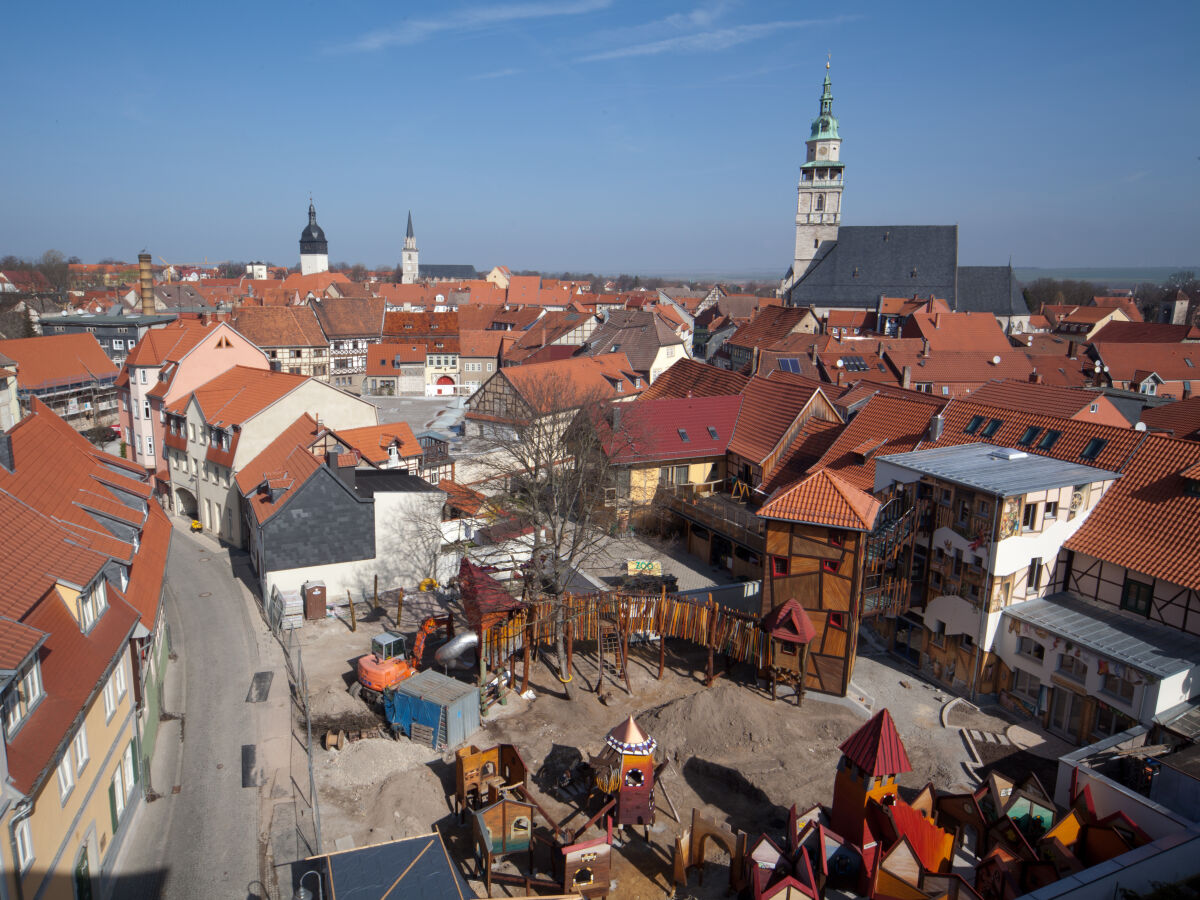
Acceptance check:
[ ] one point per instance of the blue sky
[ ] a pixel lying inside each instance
(597, 135)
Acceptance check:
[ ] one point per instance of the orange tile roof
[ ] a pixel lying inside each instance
(148, 572)
(350, 317)
(17, 641)
(286, 462)
(384, 359)
(1147, 520)
(692, 378)
(462, 497)
(58, 359)
(1125, 304)
(978, 332)
(903, 423)
(1043, 399)
(373, 441)
(524, 289)
(482, 343)
(476, 316)
(316, 282)
(567, 383)
(810, 443)
(280, 326)
(407, 326)
(769, 407)
(239, 394)
(769, 325)
(1171, 362)
(1142, 333)
(959, 367)
(168, 344)
(823, 498)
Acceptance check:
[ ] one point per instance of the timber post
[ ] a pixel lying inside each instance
(353, 620)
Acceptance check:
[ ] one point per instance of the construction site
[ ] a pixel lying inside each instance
(687, 679)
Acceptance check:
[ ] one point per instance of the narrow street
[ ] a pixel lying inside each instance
(202, 837)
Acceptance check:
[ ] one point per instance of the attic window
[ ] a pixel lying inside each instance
(1030, 433)
(992, 427)
(1048, 439)
(1187, 361)
(683, 436)
(1093, 448)
(712, 432)
(913, 274)
(973, 425)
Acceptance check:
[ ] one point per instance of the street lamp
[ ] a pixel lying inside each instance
(302, 893)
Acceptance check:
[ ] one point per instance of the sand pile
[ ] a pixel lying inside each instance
(333, 709)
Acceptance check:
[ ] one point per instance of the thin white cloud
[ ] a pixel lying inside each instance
(469, 19)
(709, 41)
(499, 73)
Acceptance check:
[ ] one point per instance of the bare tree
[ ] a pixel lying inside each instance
(551, 457)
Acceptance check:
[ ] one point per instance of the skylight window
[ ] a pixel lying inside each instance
(712, 432)
(973, 425)
(992, 427)
(1030, 433)
(1048, 439)
(1093, 448)
(683, 436)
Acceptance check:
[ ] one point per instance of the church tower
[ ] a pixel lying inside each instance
(819, 208)
(409, 269)
(314, 249)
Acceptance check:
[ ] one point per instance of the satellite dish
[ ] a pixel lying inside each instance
(1106, 368)
(996, 360)
(1140, 426)
(1097, 367)
(840, 364)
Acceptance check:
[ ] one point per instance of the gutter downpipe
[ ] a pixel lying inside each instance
(987, 601)
(23, 811)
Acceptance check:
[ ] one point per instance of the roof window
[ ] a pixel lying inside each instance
(1093, 448)
(973, 425)
(712, 433)
(1048, 439)
(992, 427)
(1030, 433)
(683, 436)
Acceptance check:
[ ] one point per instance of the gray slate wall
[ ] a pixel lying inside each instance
(321, 524)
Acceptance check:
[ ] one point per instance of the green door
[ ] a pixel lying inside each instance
(83, 879)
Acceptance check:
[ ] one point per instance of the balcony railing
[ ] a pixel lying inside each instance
(701, 504)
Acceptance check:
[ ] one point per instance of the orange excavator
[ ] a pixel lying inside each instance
(389, 662)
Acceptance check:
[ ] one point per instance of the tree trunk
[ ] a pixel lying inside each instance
(560, 646)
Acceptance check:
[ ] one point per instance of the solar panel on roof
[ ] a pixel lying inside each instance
(790, 365)
(855, 363)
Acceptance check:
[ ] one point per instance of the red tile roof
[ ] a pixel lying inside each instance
(239, 394)
(58, 359)
(280, 326)
(1043, 399)
(789, 622)
(285, 462)
(569, 383)
(384, 359)
(1147, 520)
(959, 367)
(876, 747)
(673, 428)
(476, 344)
(1125, 304)
(810, 443)
(350, 317)
(1142, 333)
(148, 572)
(769, 325)
(169, 343)
(1171, 362)
(419, 326)
(316, 282)
(823, 498)
(1181, 418)
(691, 378)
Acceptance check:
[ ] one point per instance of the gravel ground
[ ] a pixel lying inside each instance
(991, 718)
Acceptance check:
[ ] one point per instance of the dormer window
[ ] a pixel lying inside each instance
(91, 605)
(22, 696)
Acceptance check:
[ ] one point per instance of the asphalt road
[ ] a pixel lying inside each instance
(204, 840)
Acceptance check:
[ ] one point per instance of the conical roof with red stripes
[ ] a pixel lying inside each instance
(877, 748)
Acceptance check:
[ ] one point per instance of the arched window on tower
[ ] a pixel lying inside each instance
(820, 203)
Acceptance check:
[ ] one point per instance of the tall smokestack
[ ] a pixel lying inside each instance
(147, 279)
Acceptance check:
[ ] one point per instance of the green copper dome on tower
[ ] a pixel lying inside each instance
(825, 126)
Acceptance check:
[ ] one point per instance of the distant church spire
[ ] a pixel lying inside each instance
(314, 249)
(409, 266)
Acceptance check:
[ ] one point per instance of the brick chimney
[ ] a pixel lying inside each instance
(925, 347)
(1035, 377)
(1072, 349)
(147, 284)
(906, 377)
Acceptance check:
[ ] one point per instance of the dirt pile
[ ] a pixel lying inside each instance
(333, 709)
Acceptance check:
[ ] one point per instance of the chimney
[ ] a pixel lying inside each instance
(1034, 377)
(937, 320)
(925, 347)
(936, 424)
(6, 452)
(1072, 349)
(147, 280)
(906, 378)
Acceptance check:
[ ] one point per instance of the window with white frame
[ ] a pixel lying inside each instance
(149, 445)
(119, 679)
(22, 696)
(24, 838)
(142, 375)
(110, 700)
(92, 604)
(66, 777)
(79, 746)
(118, 343)
(145, 407)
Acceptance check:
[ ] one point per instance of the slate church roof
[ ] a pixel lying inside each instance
(867, 262)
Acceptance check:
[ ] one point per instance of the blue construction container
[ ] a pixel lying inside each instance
(434, 709)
